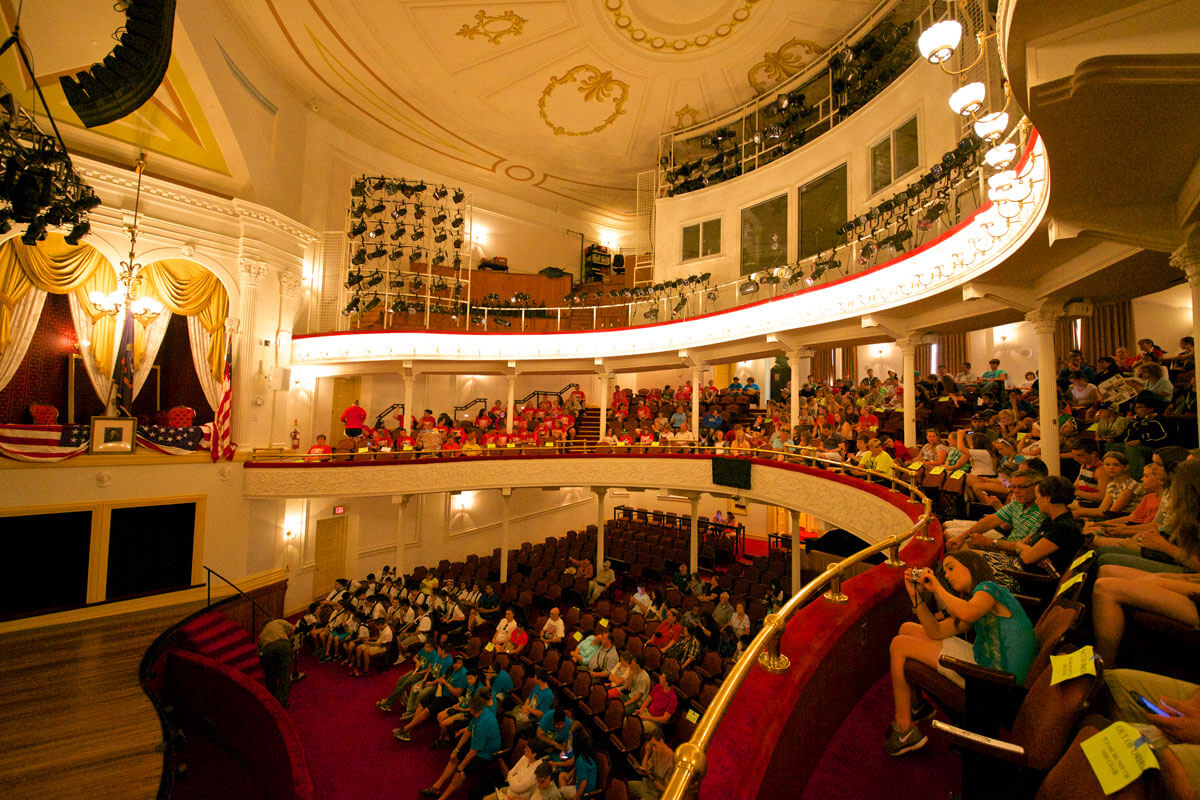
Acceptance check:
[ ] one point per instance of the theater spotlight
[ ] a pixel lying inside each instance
(414, 257)
(78, 231)
(397, 306)
(379, 184)
(359, 209)
(360, 257)
(358, 188)
(356, 230)
(406, 189)
(378, 208)
(748, 286)
(439, 259)
(651, 313)
(457, 222)
(458, 242)
(418, 211)
(352, 306)
(458, 196)
(377, 231)
(372, 303)
(457, 262)
(396, 255)
(374, 279)
(353, 279)
(396, 234)
(419, 186)
(417, 283)
(418, 233)
(505, 323)
(440, 193)
(399, 211)
(439, 218)
(440, 236)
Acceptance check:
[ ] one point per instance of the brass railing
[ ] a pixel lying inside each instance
(691, 760)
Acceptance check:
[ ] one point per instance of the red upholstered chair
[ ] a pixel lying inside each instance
(181, 417)
(43, 414)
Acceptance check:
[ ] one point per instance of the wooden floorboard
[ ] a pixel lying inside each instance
(74, 722)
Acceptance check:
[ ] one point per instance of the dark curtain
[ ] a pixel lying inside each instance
(823, 365)
(850, 362)
(924, 357)
(1110, 327)
(952, 351)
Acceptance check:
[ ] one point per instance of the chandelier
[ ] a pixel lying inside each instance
(143, 308)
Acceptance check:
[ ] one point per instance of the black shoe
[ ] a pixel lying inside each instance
(429, 791)
(922, 710)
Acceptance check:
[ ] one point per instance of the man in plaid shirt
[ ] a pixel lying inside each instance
(686, 648)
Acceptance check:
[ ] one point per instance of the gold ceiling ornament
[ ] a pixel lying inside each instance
(623, 17)
(493, 27)
(782, 64)
(596, 86)
(686, 117)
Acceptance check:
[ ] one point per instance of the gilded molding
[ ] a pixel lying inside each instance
(598, 86)
(486, 25)
(782, 64)
(685, 117)
(623, 19)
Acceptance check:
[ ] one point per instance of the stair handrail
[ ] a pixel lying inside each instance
(255, 607)
(478, 401)
(403, 415)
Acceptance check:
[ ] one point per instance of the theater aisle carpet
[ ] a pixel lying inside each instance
(855, 767)
(348, 741)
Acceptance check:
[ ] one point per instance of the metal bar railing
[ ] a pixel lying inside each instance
(254, 606)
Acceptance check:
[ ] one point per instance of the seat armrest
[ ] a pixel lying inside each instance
(984, 745)
(970, 670)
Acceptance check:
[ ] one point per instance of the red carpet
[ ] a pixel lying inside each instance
(348, 741)
(854, 766)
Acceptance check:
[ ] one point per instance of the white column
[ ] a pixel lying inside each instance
(409, 379)
(1187, 258)
(1044, 320)
(695, 426)
(794, 401)
(247, 428)
(600, 491)
(694, 545)
(604, 393)
(508, 419)
(401, 502)
(908, 351)
(505, 527)
(797, 573)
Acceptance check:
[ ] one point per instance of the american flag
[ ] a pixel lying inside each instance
(221, 440)
(171, 440)
(123, 370)
(43, 442)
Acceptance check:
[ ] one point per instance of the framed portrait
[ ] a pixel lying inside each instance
(113, 435)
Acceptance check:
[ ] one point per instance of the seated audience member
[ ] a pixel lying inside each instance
(1092, 480)
(599, 585)
(1175, 735)
(636, 685)
(518, 640)
(320, 448)
(521, 780)
(1004, 637)
(1118, 529)
(668, 631)
(1020, 515)
(604, 660)
(450, 720)
(686, 648)
(1083, 392)
(375, 645)
(876, 458)
(1170, 595)
(489, 602)
(481, 742)
(740, 621)
(1146, 431)
(1169, 544)
(933, 452)
(1060, 535)
(1152, 377)
(1120, 493)
(554, 733)
(504, 628)
(446, 690)
(500, 684)
(658, 761)
(659, 706)
(1110, 424)
(423, 662)
(723, 611)
(539, 703)
(554, 629)
(583, 775)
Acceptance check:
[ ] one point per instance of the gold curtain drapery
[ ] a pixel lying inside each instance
(924, 356)
(952, 351)
(188, 289)
(1109, 327)
(1064, 340)
(823, 365)
(850, 362)
(53, 266)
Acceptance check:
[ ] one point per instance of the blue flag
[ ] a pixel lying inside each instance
(123, 370)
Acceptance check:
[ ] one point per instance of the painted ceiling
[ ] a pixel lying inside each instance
(558, 102)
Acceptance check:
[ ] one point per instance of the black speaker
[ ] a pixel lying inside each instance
(618, 264)
(132, 72)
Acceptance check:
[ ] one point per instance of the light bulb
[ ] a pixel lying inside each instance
(939, 41)
(968, 99)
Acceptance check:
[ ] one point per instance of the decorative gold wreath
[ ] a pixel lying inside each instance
(599, 87)
(485, 25)
(782, 64)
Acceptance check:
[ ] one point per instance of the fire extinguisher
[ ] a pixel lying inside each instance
(295, 434)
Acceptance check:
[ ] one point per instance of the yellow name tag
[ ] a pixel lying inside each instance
(1072, 665)
(1069, 582)
(1083, 559)
(364, 450)
(938, 470)
(692, 716)
(510, 445)
(491, 446)
(408, 447)
(578, 636)
(604, 623)
(1118, 755)
(957, 474)
(489, 647)
(549, 444)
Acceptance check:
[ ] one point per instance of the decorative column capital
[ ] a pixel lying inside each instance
(1044, 318)
(908, 344)
(1187, 259)
(289, 283)
(252, 272)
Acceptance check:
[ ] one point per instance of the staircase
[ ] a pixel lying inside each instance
(215, 636)
(587, 426)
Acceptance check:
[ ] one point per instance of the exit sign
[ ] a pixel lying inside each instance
(339, 510)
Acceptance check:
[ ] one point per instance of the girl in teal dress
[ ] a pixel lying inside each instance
(1004, 637)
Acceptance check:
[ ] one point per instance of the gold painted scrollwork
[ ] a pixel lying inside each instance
(686, 116)
(782, 64)
(494, 26)
(595, 85)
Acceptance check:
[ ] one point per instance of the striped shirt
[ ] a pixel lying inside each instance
(1024, 519)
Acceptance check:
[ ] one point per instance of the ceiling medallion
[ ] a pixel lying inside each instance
(782, 64)
(493, 27)
(686, 116)
(597, 86)
(623, 17)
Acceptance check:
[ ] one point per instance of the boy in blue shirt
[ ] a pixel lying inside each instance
(554, 733)
(419, 672)
(482, 740)
(540, 701)
(444, 692)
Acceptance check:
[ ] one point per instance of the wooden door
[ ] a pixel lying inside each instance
(330, 555)
(346, 392)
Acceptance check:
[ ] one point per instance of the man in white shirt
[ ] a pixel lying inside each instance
(375, 645)
(684, 438)
(555, 629)
(504, 628)
(601, 582)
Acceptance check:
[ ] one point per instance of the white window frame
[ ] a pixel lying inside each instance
(699, 225)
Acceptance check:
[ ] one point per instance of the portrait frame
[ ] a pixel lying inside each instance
(113, 435)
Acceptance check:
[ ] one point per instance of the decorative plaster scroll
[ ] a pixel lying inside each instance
(782, 64)
(597, 86)
(686, 117)
(810, 491)
(494, 27)
(252, 271)
(625, 19)
(289, 283)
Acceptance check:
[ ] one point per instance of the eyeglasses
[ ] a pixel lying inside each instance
(1024, 485)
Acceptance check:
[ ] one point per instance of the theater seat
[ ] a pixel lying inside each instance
(181, 417)
(43, 414)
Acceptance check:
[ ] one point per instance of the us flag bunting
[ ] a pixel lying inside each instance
(43, 442)
(221, 438)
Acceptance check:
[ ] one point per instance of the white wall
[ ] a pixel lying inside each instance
(1164, 316)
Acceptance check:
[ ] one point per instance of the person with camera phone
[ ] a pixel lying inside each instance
(1004, 637)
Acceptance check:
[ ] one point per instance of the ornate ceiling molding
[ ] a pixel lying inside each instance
(641, 33)
(597, 86)
(494, 27)
(781, 64)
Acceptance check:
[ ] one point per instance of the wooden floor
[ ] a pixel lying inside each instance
(74, 722)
